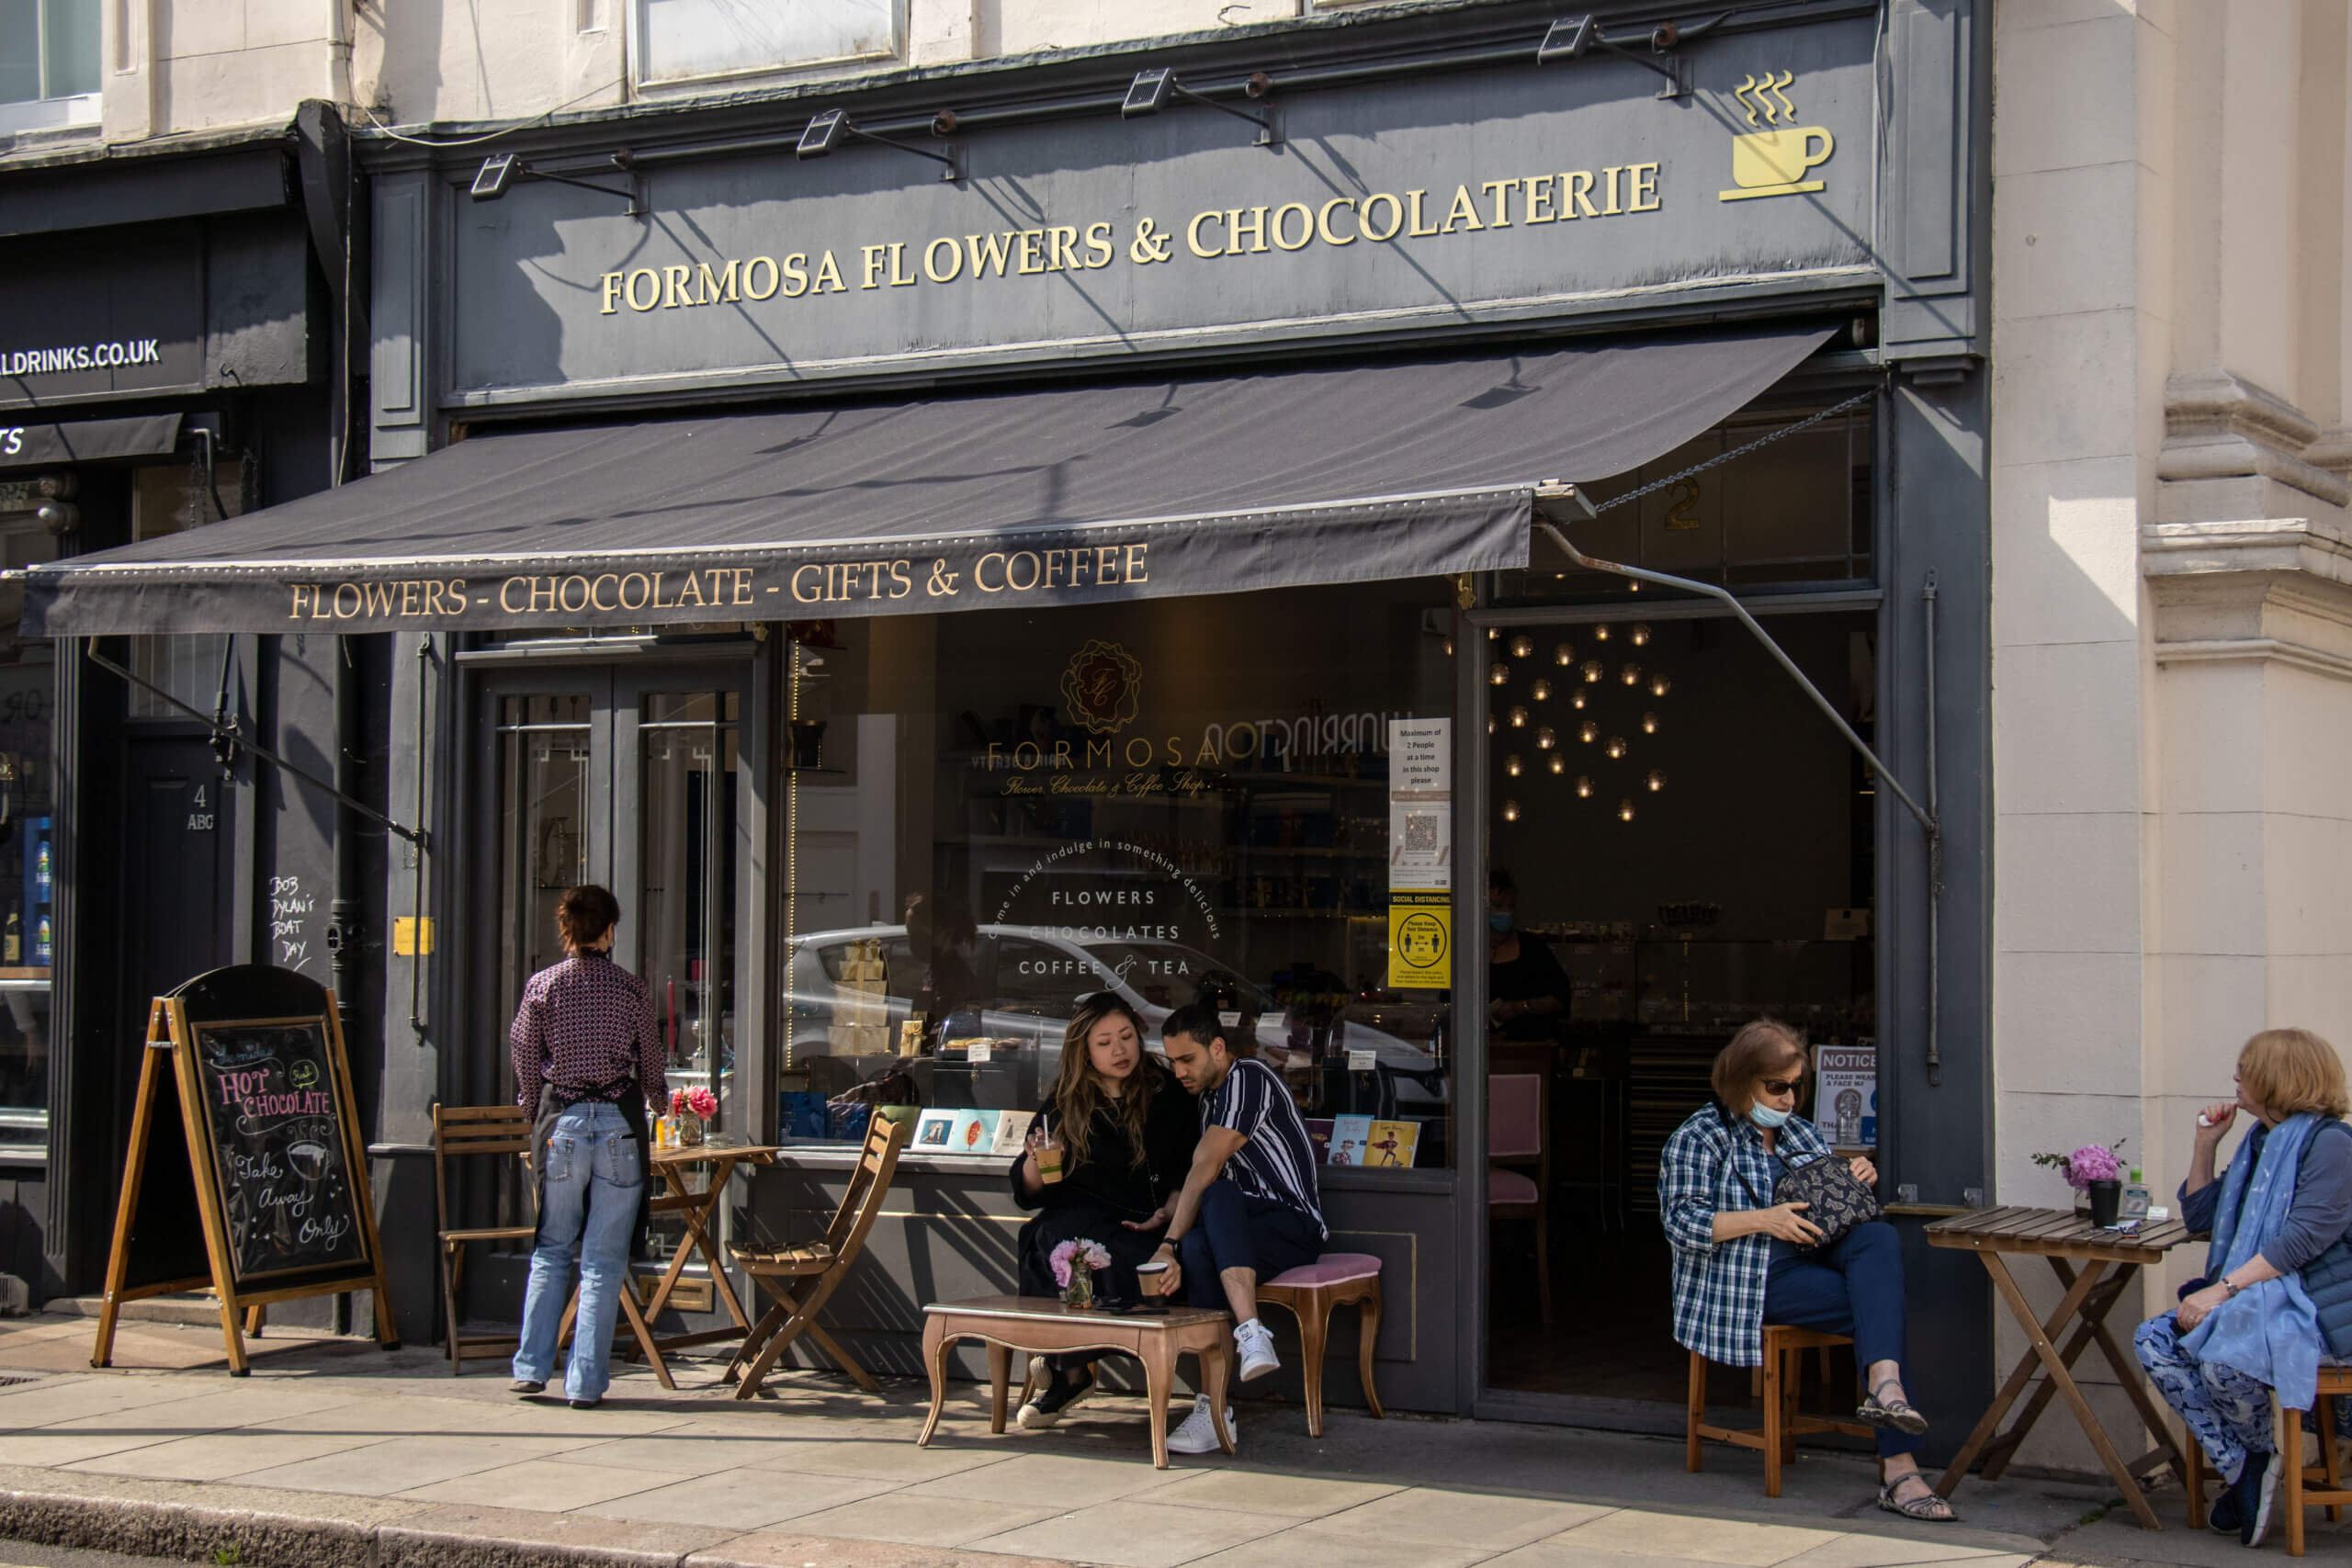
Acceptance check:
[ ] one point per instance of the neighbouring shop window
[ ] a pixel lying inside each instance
(49, 49)
(1794, 510)
(687, 39)
(27, 846)
(171, 497)
(995, 814)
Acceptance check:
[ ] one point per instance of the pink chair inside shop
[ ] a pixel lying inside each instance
(1517, 1143)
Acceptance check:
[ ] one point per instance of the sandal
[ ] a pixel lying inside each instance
(1927, 1507)
(1895, 1416)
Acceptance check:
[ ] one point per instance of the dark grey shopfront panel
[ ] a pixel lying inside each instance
(1418, 202)
(946, 1232)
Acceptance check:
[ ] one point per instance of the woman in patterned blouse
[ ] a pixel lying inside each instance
(587, 1061)
(1742, 1261)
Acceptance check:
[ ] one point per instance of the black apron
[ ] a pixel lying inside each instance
(554, 1102)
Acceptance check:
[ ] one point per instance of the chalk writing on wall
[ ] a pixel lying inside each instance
(290, 908)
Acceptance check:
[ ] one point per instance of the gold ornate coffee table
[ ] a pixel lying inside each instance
(1042, 1325)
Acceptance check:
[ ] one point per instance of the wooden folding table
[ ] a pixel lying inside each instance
(2108, 1261)
(697, 1209)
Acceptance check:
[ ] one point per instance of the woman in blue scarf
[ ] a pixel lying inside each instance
(2276, 1295)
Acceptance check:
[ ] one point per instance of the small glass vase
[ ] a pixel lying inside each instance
(1080, 1291)
(688, 1128)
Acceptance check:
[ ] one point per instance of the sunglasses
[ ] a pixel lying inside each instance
(1783, 1086)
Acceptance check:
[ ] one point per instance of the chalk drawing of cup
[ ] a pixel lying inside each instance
(309, 1159)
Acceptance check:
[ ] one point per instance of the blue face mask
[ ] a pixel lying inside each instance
(1500, 919)
(1764, 1116)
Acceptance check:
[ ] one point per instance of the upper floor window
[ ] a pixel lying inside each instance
(49, 49)
(686, 41)
(49, 64)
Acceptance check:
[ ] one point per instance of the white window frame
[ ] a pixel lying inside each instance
(49, 114)
(633, 19)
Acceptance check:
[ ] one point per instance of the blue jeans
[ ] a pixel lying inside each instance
(1235, 1231)
(590, 1207)
(1853, 1288)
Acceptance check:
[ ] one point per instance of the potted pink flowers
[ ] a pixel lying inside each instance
(2094, 1171)
(689, 1109)
(1074, 1263)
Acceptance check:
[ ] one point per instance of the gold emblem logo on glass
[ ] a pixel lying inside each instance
(1775, 161)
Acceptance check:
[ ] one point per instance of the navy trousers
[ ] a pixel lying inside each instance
(1854, 1287)
(1235, 1231)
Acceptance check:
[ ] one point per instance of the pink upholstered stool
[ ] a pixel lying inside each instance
(1334, 1280)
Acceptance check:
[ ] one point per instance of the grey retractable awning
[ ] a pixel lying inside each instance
(1079, 494)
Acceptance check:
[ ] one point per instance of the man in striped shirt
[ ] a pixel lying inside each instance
(1250, 1205)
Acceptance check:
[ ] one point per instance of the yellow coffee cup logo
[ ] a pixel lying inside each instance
(1775, 161)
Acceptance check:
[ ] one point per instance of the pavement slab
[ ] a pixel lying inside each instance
(1488, 1521)
(1047, 1480)
(739, 1499)
(1137, 1534)
(401, 1464)
(925, 1521)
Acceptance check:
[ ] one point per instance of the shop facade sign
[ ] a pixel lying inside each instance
(1380, 210)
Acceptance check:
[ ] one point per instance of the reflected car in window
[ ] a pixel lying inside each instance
(1023, 983)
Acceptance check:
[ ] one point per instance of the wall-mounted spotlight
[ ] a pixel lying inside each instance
(1572, 38)
(824, 132)
(501, 170)
(1151, 89)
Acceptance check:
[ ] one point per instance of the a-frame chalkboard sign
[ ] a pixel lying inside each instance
(246, 1175)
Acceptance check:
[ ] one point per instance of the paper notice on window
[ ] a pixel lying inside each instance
(1421, 804)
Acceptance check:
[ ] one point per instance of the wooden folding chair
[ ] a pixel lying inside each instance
(2307, 1486)
(464, 1129)
(501, 1130)
(822, 1265)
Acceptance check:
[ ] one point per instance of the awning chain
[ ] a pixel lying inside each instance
(1766, 440)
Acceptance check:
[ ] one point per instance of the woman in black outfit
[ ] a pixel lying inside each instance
(1126, 1129)
(1527, 991)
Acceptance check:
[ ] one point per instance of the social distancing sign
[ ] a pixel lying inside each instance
(1420, 940)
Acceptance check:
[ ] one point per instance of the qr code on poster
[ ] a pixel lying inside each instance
(1420, 832)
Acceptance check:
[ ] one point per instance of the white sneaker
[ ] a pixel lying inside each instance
(1255, 1341)
(1198, 1434)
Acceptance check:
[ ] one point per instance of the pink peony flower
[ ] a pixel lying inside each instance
(1067, 1259)
(2092, 1162)
(701, 1103)
(1060, 1259)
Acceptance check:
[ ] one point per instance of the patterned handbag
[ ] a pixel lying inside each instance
(1837, 1199)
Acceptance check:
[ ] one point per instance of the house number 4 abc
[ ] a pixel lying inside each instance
(200, 819)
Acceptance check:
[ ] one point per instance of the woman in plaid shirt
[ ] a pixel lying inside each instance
(1741, 1260)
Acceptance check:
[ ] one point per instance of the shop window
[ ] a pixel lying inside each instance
(1795, 510)
(49, 62)
(166, 499)
(1179, 800)
(27, 850)
(686, 41)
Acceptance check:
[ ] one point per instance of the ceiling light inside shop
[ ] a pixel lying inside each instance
(1519, 718)
(1588, 732)
(1600, 634)
(1559, 764)
(1641, 635)
(1576, 698)
(1498, 673)
(1541, 690)
(1563, 655)
(1625, 811)
(1512, 765)
(1510, 811)
(1593, 671)
(1656, 781)
(1631, 675)
(1649, 724)
(1616, 748)
(1546, 738)
(1660, 685)
(1584, 787)
(1522, 646)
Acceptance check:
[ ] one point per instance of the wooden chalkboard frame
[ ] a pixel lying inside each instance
(169, 1065)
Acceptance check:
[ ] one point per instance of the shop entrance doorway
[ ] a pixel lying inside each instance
(1677, 843)
(632, 779)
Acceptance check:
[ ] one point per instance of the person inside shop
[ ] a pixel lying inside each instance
(943, 940)
(588, 1063)
(2276, 1298)
(1103, 1161)
(1742, 1260)
(1250, 1207)
(1527, 990)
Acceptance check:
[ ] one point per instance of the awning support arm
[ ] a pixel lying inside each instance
(1688, 585)
(232, 730)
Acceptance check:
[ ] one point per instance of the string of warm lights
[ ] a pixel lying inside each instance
(1591, 675)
